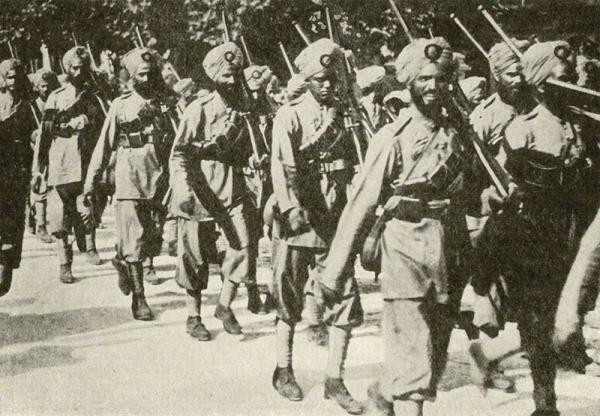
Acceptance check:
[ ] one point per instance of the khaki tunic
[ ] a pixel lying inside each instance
(302, 183)
(414, 275)
(68, 155)
(203, 190)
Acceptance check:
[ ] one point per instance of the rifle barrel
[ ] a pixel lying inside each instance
(301, 33)
(286, 58)
(500, 31)
(246, 51)
(469, 35)
(329, 25)
(226, 34)
(401, 19)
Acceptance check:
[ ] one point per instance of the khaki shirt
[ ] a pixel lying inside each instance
(489, 120)
(412, 253)
(139, 171)
(68, 155)
(542, 131)
(207, 186)
(302, 183)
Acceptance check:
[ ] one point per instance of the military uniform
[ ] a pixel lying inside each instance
(412, 266)
(138, 131)
(208, 185)
(17, 125)
(310, 177)
(71, 123)
(317, 186)
(545, 156)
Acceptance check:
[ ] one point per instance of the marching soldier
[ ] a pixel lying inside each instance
(17, 124)
(489, 121)
(137, 128)
(544, 152)
(421, 143)
(311, 166)
(371, 107)
(186, 91)
(208, 185)
(44, 82)
(72, 120)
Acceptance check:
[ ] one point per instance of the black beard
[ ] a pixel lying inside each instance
(145, 89)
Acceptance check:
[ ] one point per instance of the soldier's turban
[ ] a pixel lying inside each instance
(473, 87)
(502, 57)
(75, 52)
(296, 86)
(420, 53)
(318, 56)
(137, 56)
(369, 76)
(221, 57)
(183, 85)
(257, 77)
(541, 58)
(9, 65)
(44, 75)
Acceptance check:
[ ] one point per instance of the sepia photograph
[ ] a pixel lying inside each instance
(300, 207)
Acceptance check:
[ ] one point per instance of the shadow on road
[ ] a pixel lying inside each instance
(36, 357)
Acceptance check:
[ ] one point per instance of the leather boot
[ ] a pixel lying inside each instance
(140, 309)
(65, 257)
(230, 323)
(255, 303)
(285, 384)
(378, 405)
(6, 274)
(91, 254)
(484, 374)
(149, 272)
(125, 284)
(336, 389)
(196, 328)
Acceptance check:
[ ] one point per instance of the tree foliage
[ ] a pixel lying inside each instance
(190, 27)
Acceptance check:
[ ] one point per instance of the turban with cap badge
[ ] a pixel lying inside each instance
(420, 53)
(221, 57)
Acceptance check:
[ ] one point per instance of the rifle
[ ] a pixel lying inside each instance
(576, 95)
(286, 58)
(248, 103)
(351, 112)
(401, 20)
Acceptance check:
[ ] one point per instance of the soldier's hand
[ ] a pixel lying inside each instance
(88, 198)
(297, 219)
(562, 334)
(78, 123)
(258, 163)
(492, 201)
(330, 296)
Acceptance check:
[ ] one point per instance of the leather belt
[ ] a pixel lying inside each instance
(135, 140)
(338, 164)
(414, 210)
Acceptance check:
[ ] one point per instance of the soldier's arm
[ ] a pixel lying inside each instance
(46, 135)
(283, 164)
(104, 147)
(181, 158)
(362, 203)
(577, 294)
